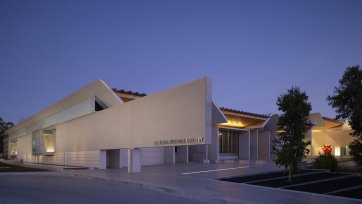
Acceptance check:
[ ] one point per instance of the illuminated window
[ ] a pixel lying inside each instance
(340, 151)
(337, 151)
(49, 140)
(43, 141)
(13, 148)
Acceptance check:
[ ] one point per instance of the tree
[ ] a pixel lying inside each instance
(3, 127)
(289, 146)
(347, 101)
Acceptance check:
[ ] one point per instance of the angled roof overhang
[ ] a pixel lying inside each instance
(321, 123)
(217, 115)
(240, 119)
(98, 89)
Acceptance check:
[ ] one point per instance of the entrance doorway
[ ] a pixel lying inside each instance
(113, 159)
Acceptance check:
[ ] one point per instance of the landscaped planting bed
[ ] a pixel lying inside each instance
(14, 168)
(256, 177)
(243, 179)
(329, 186)
(322, 182)
(281, 182)
(355, 193)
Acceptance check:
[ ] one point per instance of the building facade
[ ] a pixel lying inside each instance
(327, 131)
(100, 127)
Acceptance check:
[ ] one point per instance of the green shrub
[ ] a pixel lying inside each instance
(325, 161)
(356, 151)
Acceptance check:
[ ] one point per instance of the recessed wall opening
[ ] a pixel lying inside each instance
(99, 105)
(43, 142)
(113, 159)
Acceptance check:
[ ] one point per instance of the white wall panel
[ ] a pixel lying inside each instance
(152, 156)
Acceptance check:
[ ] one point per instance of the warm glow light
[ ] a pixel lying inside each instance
(233, 124)
(327, 149)
(50, 149)
(317, 131)
(337, 151)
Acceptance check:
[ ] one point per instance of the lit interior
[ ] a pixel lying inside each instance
(337, 151)
(49, 141)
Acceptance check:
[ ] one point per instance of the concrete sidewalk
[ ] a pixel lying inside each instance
(198, 181)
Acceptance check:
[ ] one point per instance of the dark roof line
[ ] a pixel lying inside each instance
(243, 112)
(331, 119)
(129, 92)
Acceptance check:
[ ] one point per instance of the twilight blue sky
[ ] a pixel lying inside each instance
(253, 50)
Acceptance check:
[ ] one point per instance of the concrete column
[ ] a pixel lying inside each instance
(119, 158)
(249, 145)
(213, 150)
(269, 150)
(257, 144)
(187, 154)
(102, 159)
(134, 160)
(206, 160)
(65, 158)
(311, 144)
(170, 155)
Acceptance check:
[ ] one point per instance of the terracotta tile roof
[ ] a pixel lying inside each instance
(242, 112)
(122, 91)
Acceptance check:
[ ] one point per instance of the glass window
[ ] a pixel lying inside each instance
(229, 141)
(37, 142)
(343, 151)
(43, 141)
(49, 140)
(13, 148)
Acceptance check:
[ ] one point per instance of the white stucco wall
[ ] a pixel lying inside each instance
(338, 138)
(178, 113)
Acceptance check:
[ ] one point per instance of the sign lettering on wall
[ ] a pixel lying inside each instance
(197, 140)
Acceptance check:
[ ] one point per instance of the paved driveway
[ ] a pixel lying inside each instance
(191, 181)
(58, 188)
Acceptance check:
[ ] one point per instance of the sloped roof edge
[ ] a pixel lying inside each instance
(97, 87)
(244, 113)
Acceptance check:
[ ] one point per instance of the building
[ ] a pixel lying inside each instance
(327, 131)
(100, 127)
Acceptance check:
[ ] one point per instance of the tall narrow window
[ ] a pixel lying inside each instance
(229, 141)
(49, 140)
(13, 148)
(37, 142)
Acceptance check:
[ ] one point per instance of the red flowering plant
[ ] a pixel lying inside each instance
(327, 149)
(326, 160)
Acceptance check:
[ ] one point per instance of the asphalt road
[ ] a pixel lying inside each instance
(45, 188)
